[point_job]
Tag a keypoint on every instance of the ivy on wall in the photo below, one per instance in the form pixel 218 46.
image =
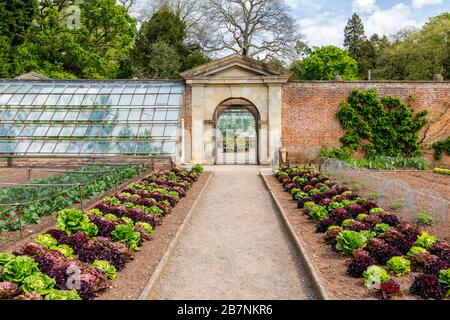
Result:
pixel 439 147
pixel 380 127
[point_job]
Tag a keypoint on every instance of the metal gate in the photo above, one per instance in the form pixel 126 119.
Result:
pixel 236 137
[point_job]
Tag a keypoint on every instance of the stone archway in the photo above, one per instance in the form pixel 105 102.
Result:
pixel 213 84
pixel 236 132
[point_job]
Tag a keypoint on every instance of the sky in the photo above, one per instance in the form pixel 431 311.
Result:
pixel 322 22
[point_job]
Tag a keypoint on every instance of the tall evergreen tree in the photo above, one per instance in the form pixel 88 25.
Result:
pixel 354 35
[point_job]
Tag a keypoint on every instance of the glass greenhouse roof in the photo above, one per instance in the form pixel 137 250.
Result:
pixel 89 118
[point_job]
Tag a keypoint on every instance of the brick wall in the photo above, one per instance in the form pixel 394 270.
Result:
pixel 186 113
pixel 309 112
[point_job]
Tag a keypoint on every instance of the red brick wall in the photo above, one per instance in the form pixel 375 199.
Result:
pixel 309 111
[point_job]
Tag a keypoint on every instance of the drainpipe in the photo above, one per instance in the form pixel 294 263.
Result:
pixel 182 142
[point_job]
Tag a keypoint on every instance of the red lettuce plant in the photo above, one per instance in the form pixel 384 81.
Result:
pixel 427 286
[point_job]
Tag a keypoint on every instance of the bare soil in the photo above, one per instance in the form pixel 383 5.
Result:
pixel 330 266
pixel 14 175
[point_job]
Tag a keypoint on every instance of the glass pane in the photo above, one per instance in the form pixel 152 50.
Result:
pixel 64 100
pixel 22 114
pixel 41 131
pixel 71 89
pixel 15 130
pixel 34 115
pixel 35 89
pixel 85 114
pixel 129 89
pixel 120 130
pixel 15 100
pixel 143 147
pixel 83 89
pixel 52 100
pixel 132 130
pixel 171 131
pixel 35 147
pixel 76 100
pixel 59 89
pixel 160 115
pixel 153 89
pixel 62 147
pixel 169 147
pixel 28 131
pixel 54 131
pixel 172 115
pixel 4 98
pixel 23 88
pixel 174 100
pixel 110 114
pixel 4 129
pixel 80 130
pixel 137 100
pixel 22 146
pixel 75 147
pixel 103 100
pixel 40 100
pixel 106 89
pixel 155 147
pixel 59 116
pixel 125 100
pixel 135 115
pixel 107 130
pixel 48 147
pixel 94 90
pixel 67 130
pixel 141 90
pixel 28 100
pixel 89 147
pixel 158 130
pixel 72 115
pixel 118 89
pixel 47 115
pixel 89 100
pixel 7 146
pixel 150 100
pixel 147 115
pixel 127 146
pixel 113 100
pixel 114 147
pixel 122 115
pixel 145 131
pixel 177 89
pixel 164 89
pixel 94 130
pixel 98 115
pixel 162 99
pixel 9 114
pixel 103 146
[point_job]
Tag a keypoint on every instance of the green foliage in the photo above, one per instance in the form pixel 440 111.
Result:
pixel 72 221
pixel 125 233
pixel 18 269
pixel 444 279
pixel 318 213
pixel 381 227
pixel 347 222
pixel 96 212
pixel 387 127
pixel 399 266
pixel 62 295
pixel 46 240
pixel 197 168
pixel 341 153
pixel 65 250
pixel 106 267
pixel 441 171
pixel 348 240
pixel 5 258
pixel 439 147
pixel 424 219
pixel 425 240
pixel 38 282
pixel 111 217
pixel 324 63
pixel 361 217
pixel 374 276
pixel 147 227
pixel 416 250
pixel 397 205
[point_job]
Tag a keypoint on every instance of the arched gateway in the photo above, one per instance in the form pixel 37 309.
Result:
pixel 235 111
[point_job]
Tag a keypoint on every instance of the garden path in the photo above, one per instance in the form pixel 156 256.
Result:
pixel 234 246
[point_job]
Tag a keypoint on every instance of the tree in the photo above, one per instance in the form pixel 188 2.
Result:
pixel 324 63
pixel 418 55
pixel 165 31
pixel 354 35
pixel 15 20
pixel 255 28
pixel 96 49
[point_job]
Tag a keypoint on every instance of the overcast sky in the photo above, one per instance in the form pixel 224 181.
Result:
pixel 323 21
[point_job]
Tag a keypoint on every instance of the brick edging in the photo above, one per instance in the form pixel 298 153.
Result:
pixel 310 269
pixel 150 287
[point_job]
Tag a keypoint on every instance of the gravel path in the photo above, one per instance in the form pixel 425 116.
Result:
pixel 234 246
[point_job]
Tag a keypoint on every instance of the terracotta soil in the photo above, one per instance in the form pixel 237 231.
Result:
pixel 131 281
pixel 330 266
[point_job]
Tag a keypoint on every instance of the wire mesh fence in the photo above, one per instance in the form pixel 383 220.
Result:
pixel 394 194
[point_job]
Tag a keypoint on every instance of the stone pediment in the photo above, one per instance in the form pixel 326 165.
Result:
pixel 236 68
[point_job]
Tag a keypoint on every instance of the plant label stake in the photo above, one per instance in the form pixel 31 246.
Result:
pixel 20 220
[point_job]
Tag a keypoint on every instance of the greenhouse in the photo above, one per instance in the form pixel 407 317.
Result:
pixel 84 118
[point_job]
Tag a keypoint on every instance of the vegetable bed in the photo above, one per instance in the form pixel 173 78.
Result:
pixel 391 257
pixel 45 196
pixel 84 253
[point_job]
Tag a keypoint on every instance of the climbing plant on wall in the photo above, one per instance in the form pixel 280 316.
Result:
pixel 384 126
pixel 440 147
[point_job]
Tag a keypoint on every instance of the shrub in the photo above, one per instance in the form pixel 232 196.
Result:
pixel 439 147
pixel 441 171
pixel 197 168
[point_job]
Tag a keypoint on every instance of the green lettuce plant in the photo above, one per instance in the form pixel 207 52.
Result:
pixel 375 276
pixel 72 221
pixel 416 250
pixel 62 295
pixel 111 217
pixel 18 269
pixel 38 282
pixel 147 226
pixel 376 210
pixel 125 233
pixel 381 228
pixel 65 250
pixel 5 258
pixel 348 240
pixel 46 240
pixel 361 217
pixel 444 279
pixel 425 240
pixel 318 213
pixel 106 267
pixel 346 222
pixel 399 266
